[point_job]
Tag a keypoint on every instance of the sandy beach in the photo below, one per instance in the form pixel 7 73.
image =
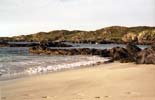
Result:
pixel 115 81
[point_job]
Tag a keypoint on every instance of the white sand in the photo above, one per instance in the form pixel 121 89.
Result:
pixel 114 81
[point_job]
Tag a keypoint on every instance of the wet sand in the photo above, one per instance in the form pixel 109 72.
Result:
pixel 113 81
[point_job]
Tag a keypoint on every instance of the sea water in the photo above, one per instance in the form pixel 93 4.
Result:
pixel 17 61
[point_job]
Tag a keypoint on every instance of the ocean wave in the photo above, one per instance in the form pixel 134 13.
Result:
pixel 43 64
pixel 58 67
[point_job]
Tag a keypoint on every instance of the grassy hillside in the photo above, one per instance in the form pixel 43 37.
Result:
pixel 114 33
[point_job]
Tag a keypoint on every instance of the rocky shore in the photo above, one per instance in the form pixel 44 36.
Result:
pixel 131 53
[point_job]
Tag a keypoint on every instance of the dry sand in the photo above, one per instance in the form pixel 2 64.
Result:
pixel 114 81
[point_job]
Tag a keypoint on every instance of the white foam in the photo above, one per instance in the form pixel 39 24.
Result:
pixel 43 64
pixel 57 67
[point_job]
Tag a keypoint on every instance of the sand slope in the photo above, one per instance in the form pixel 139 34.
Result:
pixel 104 82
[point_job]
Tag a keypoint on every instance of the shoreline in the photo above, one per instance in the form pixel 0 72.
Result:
pixel 113 81
pixel 69 66
pixel 54 72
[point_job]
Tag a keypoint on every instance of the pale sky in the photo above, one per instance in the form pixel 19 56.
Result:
pixel 31 16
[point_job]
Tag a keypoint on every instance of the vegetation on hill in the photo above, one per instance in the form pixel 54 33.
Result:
pixel 118 34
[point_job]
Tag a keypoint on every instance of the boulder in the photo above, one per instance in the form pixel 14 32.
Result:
pixel 132 49
pixel 120 54
pixel 146 56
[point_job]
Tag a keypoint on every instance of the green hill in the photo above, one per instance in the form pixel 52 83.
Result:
pixel 119 34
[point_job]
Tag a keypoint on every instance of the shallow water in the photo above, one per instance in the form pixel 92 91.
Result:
pixel 15 61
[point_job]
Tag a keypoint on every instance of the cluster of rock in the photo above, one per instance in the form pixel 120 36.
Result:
pixel 131 53
pixel 81 51
pixel 54 44
pixel 22 44
pixel 146 56
pixel 3 44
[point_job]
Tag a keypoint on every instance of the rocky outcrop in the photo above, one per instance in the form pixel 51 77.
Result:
pixel 3 44
pixel 146 56
pixel 22 44
pixel 133 49
pixel 146 37
pixel 46 50
pixel 143 37
pixel 54 44
pixel 127 54
pixel 131 53
pixel 129 37
pixel 117 53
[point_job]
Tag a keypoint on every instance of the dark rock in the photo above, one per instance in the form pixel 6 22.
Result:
pixel 146 56
pixel 46 50
pixel 129 54
pixel 132 49
pixel 121 54
pixel 22 44
pixel 54 44
pixel 3 43
pixel 118 53
pixel 96 52
pixel 124 55
pixel 105 53
pixel 39 49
